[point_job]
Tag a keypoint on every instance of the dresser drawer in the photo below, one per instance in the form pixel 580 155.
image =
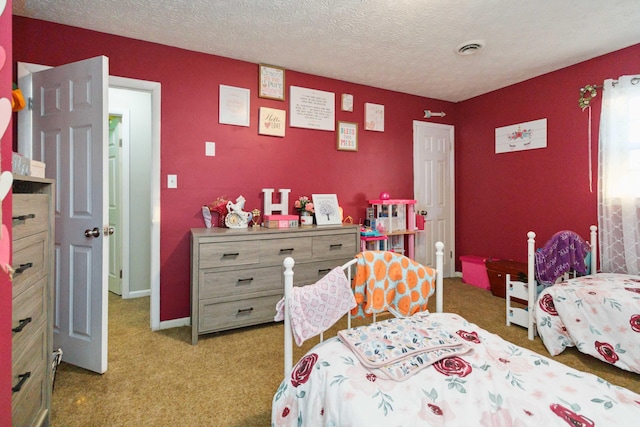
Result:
pixel 28 406
pixel 244 252
pixel 30 261
pixel 311 272
pixel 334 246
pixel 29 310
pixel 274 251
pixel 239 282
pixel 217 316
pixel 30 213
pixel 33 356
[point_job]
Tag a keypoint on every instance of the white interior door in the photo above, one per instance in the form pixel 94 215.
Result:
pixel 115 243
pixel 70 135
pixel 433 184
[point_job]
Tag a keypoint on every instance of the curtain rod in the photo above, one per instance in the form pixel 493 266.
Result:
pixel 588 92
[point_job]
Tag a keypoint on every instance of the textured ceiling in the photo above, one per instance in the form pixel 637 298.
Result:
pixel 401 45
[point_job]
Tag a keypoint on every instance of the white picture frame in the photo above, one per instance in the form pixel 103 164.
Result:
pixel 522 136
pixel 374 117
pixel 326 209
pixel 312 109
pixel 234 105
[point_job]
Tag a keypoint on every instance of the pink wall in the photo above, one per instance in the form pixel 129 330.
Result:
pixel 6 141
pixel 500 197
pixel 306 161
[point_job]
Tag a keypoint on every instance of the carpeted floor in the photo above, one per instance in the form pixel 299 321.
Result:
pixel 228 379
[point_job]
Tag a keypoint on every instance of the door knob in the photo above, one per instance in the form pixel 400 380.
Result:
pixel 92 233
pixel 108 231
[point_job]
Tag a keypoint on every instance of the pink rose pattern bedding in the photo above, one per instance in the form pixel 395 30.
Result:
pixel 496 384
pixel 598 314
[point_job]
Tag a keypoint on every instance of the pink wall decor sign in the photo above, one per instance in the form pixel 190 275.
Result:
pixel 523 136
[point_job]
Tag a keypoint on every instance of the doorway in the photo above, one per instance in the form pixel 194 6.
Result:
pixel 433 186
pixel 149 273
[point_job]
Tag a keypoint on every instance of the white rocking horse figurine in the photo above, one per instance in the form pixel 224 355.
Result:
pixel 237 218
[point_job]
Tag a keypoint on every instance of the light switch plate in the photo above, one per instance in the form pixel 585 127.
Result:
pixel 172 181
pixel 210 149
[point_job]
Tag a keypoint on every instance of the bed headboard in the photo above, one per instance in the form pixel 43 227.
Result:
pixel 288 286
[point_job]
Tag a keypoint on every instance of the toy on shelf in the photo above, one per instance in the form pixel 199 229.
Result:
pixel 395 218
pixel 373 236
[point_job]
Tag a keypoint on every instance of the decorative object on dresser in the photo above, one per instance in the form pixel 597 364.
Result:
pixel 304 206
pixel 270 207
pixel 236 275
pixel 326 209
pixel 236 216
pixel 32 284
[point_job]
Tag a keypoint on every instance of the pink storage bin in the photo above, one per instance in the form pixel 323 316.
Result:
pixel 474 271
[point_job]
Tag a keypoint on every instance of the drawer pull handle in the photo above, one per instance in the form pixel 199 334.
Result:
pixel 286 251
pixel 335 246
pixel 23 379
pixel 324 271
pixel 245 281
pixel 245 310
pixel 229 255
pixel 22 268
pixel 22 324
pixel 23 217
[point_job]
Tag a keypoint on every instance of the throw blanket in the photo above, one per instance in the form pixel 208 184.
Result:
pixel 315 308
pixel 387 281
pixel 565 251
pixel 398 348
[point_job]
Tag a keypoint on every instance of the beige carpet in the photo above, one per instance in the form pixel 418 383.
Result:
pixel 228 379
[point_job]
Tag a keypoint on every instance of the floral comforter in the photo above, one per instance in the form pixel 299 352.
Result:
pixel 598 314
pixel 496 384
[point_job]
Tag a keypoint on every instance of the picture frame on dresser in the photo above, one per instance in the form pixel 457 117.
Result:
pixel 326 209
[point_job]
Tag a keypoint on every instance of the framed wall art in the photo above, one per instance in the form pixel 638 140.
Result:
pixel 271 82
pixel 327 209
pixel 272 121
pixel 347 136
pixel 374 117
pixel 234 106
pixel 522 136
pixel 346 102
pixel 312 109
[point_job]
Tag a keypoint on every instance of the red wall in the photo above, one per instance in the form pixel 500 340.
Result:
pixel 500 197
pixel 6 142
pixel 306 161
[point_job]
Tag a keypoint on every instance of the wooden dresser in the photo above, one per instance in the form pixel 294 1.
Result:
pixel 236 274
pixel 32 285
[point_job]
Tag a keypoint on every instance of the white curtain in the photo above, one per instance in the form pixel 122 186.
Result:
pixel 619 176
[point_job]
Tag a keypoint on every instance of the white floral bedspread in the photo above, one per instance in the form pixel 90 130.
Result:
pixel 598 314
pixel 496 384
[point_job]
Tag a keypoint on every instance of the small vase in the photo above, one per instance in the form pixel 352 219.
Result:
pixel 306 218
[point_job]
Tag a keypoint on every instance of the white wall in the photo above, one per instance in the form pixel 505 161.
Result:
pixel 139 105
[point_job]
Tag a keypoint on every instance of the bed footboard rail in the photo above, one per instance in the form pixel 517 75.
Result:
pixel 288 290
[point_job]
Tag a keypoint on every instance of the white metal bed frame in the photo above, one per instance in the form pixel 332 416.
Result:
pixel 288 286
pixel 528 291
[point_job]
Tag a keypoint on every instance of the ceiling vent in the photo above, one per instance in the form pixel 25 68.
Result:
pixel 470 47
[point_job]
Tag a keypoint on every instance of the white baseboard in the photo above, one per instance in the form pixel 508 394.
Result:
pixel 458 274
pixel 175 323
pixel 138 294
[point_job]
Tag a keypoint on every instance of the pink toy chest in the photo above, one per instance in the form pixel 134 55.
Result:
pixel 474 271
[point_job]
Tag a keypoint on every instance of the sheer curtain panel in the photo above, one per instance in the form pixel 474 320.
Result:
pixel 619 176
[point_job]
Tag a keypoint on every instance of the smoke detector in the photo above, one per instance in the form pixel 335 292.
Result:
pixel 470 47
